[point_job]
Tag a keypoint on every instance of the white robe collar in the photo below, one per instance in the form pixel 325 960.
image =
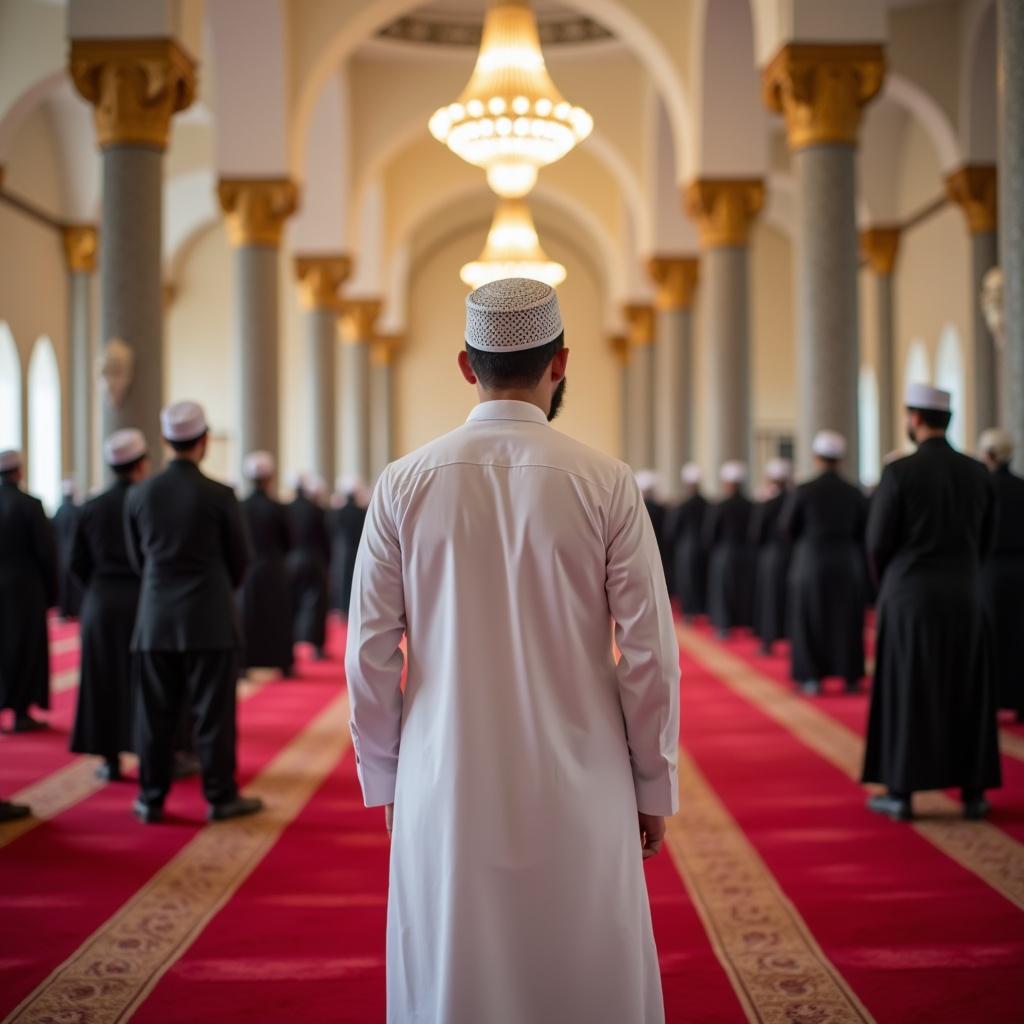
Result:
pixel 504 409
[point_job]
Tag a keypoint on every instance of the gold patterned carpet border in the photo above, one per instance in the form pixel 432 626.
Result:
pixel 777 969
pixel 116 968
pixel 980 847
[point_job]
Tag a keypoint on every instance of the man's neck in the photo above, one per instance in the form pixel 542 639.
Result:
pixel 530 396
pixel 923 434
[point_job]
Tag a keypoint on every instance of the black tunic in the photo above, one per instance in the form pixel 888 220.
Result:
pixel 100 563
pixel 28 587
pixel 730 563
pixel 772 569
pixel 345 527
pixel 307 569
pixel 264 599
pixel 825 520
pixel 689 558
pixel 1002 587
pixel 69 591
pixel 657 511
pixel 933 707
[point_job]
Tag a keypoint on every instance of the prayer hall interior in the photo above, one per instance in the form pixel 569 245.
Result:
pixel 769 222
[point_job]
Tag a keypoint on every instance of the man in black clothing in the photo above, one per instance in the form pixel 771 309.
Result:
pixel 730 557
pixel 685 531
pixel 264 600
pixel 772 551
pixel 69 591
pixel 933 707
pixel 650 487
pixel 28 587
pixel 1002 574
pixel 307 566
pixel 824 519
pixel 100 563
pixel 187 540
pixel 345 528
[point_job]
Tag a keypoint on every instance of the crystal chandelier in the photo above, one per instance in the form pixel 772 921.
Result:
pixel 512 250
pixel 510 119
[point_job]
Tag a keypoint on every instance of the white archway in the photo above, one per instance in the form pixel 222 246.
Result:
pixel 922 106
pixel 44 424
pixel 949 375
pixel 867 407
pixel 10 390
pixel 917 368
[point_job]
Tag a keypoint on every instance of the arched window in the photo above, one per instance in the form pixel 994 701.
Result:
pixel 867 408
pixel 10 390
pixel 44 461
pixel 917 370
pixel 949 375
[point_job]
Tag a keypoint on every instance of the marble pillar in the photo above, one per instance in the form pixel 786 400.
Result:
pixel 320 277
pixel 880 247
pixel 973 188
pixel 80 249
pixel 135 87
pixel 640 375
pixel 358 330
pixel 724 209
pixel 822 89
pixel 383 351
pixel 255 210
pixel 619 346
pixel 675 278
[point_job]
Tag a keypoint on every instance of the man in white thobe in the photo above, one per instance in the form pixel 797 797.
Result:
pixel 525 773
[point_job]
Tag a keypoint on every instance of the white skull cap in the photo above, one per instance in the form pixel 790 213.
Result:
pixel 10 459
pixel 733 472
pixel 924 396
pixel 997 441
pixel 511 315
pixel 348 483
pixel 67 487
pixel 258 466
pixel 690 473
pixel 829 444
pixel 778 470
pixel 183 421
pixel 124 447
pixel 314 485
pixel 647 480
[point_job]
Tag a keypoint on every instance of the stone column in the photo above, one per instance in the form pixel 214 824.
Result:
pixel 676 280
pixel 973 189
pixel 619 345
pixel 821 90
pixel 319 279
pixel 80 244
pixel 640 328
pixel 255 210
pixel 880 246
pixel 135 86
pixel 724 209
pixel 383 350
pixel 358 320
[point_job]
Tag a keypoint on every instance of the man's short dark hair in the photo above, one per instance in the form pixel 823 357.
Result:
pixel 522 369
pixel 186 446
pixel 8 476
pixel 126 470
pixel 936 419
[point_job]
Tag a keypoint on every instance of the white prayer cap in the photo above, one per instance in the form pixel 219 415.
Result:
pixel 778 470
pixel 258 466
pixel 348 483
pixel 67 487
pixel 733 472
pixel 512 314
pixel 998 443
pixel 924 396
pixel 183 421
pixel 690 473
pixel 124 447
pixel 10 459
pixel 647 480
pixel 315 486
pixel 829 444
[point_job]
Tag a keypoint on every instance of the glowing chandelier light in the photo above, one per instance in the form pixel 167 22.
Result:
pixel 510 119
pixel 512 250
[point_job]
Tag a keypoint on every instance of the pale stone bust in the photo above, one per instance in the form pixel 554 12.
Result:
pixel 116 368
pixel 992 303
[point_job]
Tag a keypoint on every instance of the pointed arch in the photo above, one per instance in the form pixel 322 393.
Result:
pixel 949 375
pixel 44 424
pixel 870 444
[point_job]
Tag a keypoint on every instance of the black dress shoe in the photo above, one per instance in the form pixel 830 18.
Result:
pixel 810 688
pixel 109 771
pixel 26 723
pixel 896 807
pixel 237 808
pixel 976 809
pixel 148 814
pixel 13 812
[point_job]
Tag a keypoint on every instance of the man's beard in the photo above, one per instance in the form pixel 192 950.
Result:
pixel 557 399
pixel 910 435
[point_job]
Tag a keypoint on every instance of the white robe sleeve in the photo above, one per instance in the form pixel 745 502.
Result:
pixel 373 658
pixel 648 669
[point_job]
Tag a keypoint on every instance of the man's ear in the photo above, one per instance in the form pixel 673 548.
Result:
pixel 558 364
pixel 465 369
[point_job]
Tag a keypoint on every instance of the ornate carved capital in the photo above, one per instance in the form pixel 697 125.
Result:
pixel 256 208
pixel 358 318
pixel 134 85
pixel 81 244
pixel 319 279
pixel 676 280
pixel 639 323
pixel 724 209
pixel 384 348
pixel 619 344
pixel 974 189
pixel 880 246
pixel 821 89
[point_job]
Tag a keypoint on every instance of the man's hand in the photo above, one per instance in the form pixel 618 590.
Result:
pixel 389 817
pixel 652 834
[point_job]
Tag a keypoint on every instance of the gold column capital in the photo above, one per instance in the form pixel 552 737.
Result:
pixel 724 209
pixel 81 246
pixel 880 246
pixel 822 88
pixel 358 320
pixel 974 188
pixel 384 348
pixel 320 277
pixel 676 280
pixel 256 208
pixel 134 85
pixel 639 323
pixel 619 345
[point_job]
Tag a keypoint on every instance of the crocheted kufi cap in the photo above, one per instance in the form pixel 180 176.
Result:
pixel 123 447
pixel 512 314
